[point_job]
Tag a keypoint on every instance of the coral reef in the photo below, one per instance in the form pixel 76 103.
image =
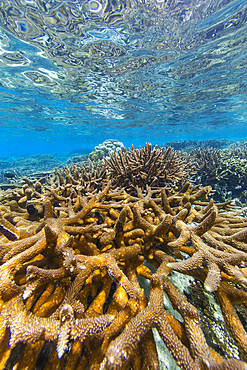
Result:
pixel 31 190
pixel 104 149
pixel 188 145
pixel 148 166
pixel 4 164
pixel 209 161
pixel 77 159
pixel 12 173
pixel 70 275
pixel 239 149
pixel 225 170
pixel 34 163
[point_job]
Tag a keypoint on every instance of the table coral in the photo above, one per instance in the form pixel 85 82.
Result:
pixel 70 275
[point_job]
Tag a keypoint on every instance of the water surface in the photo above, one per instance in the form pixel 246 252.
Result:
pixel 74 73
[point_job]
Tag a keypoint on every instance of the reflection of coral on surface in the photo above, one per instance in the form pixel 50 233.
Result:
pixel 70 275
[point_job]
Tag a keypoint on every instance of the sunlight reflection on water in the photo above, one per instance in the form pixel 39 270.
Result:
pixel 170 68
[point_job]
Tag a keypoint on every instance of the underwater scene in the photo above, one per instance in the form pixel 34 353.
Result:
pixel 123 184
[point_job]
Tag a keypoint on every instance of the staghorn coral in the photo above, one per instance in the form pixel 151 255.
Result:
pixel 225 170
pixel 209 164
pixel 148 166
pixel 28 198
pixel 239 149
pixel 70 276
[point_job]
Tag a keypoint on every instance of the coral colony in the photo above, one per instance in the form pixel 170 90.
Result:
pixel 77 247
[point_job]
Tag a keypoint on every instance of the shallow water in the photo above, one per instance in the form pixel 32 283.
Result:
pixel 75 73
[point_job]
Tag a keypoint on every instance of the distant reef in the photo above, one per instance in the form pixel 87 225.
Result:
pixel 193 144
pixel 37 162
pixel 27 165
pixel 221 164
pixel 224 169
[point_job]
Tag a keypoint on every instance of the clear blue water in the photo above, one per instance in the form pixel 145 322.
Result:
pixel 75 73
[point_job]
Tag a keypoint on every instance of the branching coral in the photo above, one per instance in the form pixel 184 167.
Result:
pixel 148 166
pixel 225 170
pixel 209 164
pixel 70 275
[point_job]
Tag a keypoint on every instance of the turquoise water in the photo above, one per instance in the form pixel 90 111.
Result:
pixel 75 73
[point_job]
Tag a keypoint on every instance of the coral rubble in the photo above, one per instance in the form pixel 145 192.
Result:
pixel 73 253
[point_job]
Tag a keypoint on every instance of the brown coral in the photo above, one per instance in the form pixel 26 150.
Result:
pixel 71 276
pixel 148 166
pixel 209 164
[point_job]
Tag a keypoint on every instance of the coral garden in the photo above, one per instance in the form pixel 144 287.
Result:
pixel 91 264
pixel 225 170
pixel 148 166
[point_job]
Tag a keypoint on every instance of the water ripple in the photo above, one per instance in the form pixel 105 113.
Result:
pixel 146 62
